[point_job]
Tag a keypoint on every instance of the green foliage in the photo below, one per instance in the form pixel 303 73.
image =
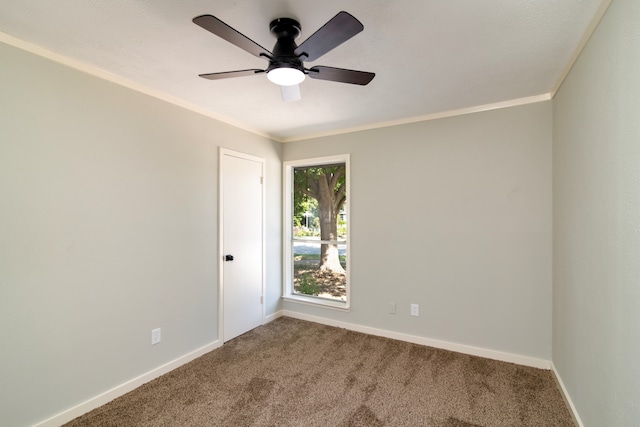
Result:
pixel 307 285
pixel 305 197
pixel 302 204
pixel 342 227
pixel 306 232
pixel 304 177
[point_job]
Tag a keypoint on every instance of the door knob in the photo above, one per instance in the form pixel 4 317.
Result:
pixel 228 257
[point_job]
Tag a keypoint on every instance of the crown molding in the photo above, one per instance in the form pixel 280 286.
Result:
pixel 427 117
pixel 113 78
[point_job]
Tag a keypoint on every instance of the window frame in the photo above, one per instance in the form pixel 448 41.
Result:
pixel 288 293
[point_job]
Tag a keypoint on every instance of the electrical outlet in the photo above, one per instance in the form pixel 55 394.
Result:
pixel 156 336
pixel 415 310
pixel 392 308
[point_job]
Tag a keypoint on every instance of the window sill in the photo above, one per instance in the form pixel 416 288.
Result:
pixel 318 302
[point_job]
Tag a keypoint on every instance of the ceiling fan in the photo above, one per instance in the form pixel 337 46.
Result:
pixel 286 63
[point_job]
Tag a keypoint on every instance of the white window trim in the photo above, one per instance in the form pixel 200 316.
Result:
pixel 287 289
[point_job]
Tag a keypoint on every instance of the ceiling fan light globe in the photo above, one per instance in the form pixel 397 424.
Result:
pixel 286 76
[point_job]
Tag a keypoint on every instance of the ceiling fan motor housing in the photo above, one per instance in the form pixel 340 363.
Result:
pixel 286 30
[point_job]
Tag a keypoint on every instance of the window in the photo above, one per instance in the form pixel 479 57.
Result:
pixel 316 254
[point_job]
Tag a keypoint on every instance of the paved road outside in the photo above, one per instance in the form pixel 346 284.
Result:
pixel 300 248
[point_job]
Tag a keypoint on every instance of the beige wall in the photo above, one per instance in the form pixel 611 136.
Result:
pixel 454 215
pixel 108 228
pixel 596 180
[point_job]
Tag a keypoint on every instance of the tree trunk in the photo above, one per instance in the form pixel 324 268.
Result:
pixel 328 210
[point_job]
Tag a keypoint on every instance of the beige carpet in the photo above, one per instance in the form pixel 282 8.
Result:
pixel 296 373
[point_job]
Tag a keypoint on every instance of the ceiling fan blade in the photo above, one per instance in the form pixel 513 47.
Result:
pixel 222 30
pixel 229 74
pixel 341 75
pixel 338 30
pixel 290 93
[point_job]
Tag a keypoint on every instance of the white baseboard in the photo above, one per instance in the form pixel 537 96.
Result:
pixel 566 397
pixel 270 318
pixel 109 395
pixel 445 345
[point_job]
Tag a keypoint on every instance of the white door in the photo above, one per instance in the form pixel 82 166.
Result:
pixel 242 243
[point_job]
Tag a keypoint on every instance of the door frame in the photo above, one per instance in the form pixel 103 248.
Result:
pixel 222 152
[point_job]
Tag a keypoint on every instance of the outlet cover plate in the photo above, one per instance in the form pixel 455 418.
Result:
pixel 415 310
pixel 156 336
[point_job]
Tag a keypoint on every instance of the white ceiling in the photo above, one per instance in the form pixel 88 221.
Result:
pixel 430 56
